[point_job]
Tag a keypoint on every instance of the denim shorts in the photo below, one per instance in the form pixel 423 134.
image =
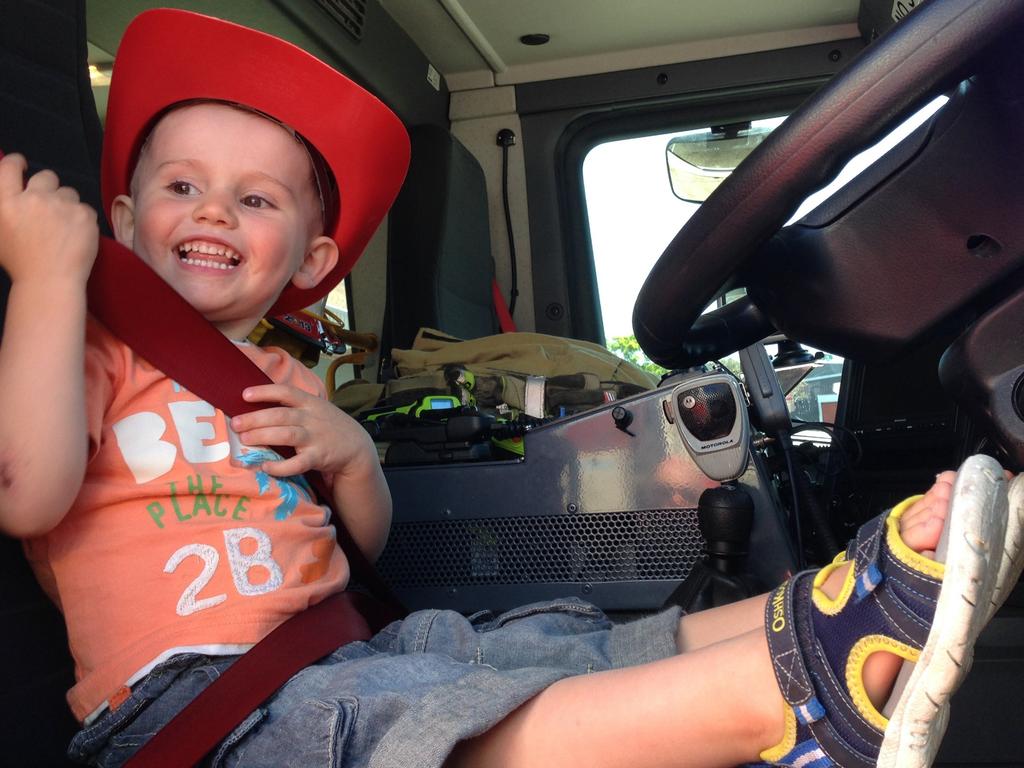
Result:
pixel 403 698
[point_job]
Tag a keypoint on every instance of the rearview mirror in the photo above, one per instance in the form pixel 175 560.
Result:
pixel 698 161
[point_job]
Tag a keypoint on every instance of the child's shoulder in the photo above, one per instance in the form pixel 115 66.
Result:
pixel 100 342
pixel 98 335
pixel 105 354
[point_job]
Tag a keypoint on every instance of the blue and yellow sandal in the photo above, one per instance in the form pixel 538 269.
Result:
pixel 928 612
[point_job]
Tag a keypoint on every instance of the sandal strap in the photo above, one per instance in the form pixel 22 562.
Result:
pixel 784 644
pixel 910 597
pixel 816 721
pixel 865 552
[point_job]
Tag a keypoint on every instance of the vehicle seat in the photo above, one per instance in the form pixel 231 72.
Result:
pixel 440 267
pixel 47 113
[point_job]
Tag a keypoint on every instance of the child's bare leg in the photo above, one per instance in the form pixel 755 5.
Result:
pixel 715 704
pixel 704 628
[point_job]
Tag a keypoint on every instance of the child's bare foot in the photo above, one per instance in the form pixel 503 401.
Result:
pixel 921 525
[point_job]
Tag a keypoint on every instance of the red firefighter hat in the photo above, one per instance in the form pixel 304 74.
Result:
pixel 169 56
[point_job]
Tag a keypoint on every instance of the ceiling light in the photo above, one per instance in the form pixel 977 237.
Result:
pixel 537 38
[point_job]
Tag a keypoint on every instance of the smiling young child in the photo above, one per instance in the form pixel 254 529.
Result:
pixel 249 177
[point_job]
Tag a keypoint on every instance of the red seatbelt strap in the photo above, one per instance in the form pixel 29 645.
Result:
pixel 505 321
pixel 143 311
pixel 226 702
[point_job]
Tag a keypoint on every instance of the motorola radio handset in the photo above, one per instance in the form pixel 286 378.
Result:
pixel 709 412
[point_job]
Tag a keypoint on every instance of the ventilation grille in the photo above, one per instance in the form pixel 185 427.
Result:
pixel 619 546
pixel 349 13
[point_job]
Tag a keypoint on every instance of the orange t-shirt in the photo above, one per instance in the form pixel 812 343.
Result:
pixel 176 542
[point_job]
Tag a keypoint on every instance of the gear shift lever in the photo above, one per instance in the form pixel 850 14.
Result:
pixel 726 517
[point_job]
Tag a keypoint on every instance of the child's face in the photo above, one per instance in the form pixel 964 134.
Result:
pixel 224 208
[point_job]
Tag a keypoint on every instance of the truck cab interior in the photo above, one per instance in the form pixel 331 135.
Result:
pixel 804 212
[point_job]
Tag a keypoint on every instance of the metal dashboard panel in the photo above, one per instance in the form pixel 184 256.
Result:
pixel 591 511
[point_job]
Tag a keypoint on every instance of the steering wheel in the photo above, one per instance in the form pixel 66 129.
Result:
pixel 920 57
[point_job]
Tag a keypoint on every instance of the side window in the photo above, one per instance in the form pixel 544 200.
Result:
pixel 337 302
pixel 335 307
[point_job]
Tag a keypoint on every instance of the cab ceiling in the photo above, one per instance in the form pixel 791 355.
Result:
pixel 475 43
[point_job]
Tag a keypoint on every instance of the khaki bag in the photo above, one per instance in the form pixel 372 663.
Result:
pixel 509 373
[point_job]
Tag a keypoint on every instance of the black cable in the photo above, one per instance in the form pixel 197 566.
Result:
pixel 787 451
pixel 825 541
pixel 506 139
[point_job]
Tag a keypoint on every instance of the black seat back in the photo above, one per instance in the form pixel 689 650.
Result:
pixel 47 113
pixel 440 267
